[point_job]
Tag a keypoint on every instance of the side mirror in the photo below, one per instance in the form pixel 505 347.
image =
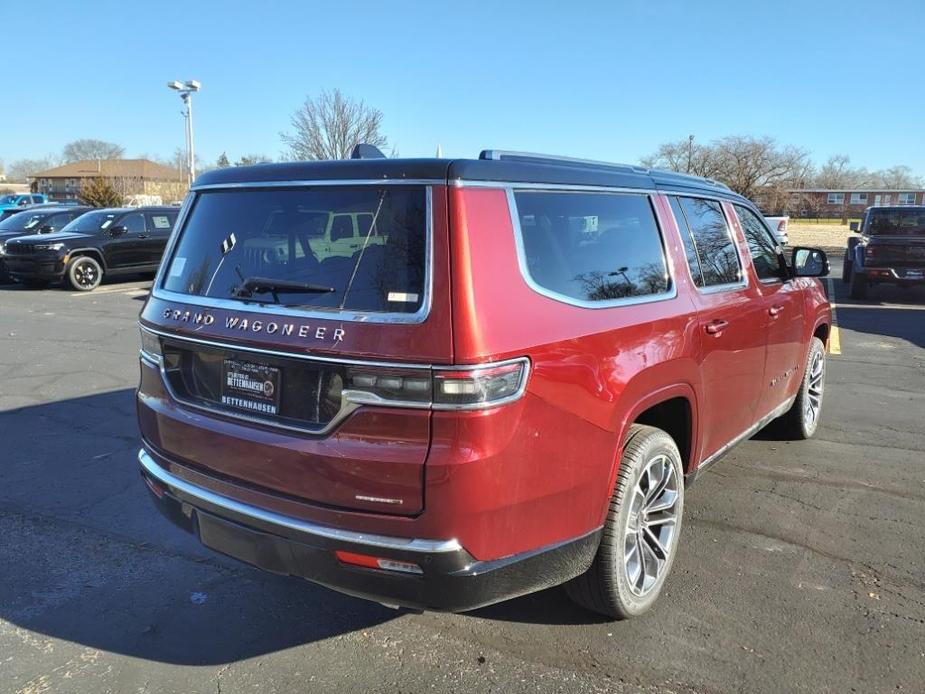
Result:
pixel 809 262
pixel 118 231
pixel 855 227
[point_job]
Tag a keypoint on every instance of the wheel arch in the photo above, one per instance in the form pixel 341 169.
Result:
pixel 91 252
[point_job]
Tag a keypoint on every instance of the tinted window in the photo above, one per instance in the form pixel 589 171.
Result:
pixel 764 249
pixel 896 222
pixel 134 223
pixel 592 246
pixel 719 261
pixel 24 221
pixel 91 222
pixel 280 234
pixel 693 260
pixel 58 221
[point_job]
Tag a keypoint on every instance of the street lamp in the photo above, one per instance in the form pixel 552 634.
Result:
pixel 186 90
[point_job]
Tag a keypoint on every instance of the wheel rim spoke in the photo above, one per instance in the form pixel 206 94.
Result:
pixel 651 524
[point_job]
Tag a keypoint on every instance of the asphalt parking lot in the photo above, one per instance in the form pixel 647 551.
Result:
pixel 801 568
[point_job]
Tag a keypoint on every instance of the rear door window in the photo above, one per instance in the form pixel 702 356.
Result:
pixel 134 223
pixel 712 238
pixel 159 223
pixel 233 236
pixel 590 248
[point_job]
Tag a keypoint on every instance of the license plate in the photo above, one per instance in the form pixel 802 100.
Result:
pixel 915 274
pixel 250 387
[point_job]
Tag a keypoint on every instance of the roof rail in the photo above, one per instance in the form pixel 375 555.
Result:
pixel 499 155
pixel 667 173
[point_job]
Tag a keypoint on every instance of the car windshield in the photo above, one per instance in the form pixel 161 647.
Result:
pixel 91 222
pixel 364 245
pixel 897 222
pixel 24 221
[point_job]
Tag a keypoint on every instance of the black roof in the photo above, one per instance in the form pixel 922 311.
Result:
pixel 513 167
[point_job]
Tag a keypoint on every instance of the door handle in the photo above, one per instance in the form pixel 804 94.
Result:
pixel 775 311
pixel 715 327
pixel 142 236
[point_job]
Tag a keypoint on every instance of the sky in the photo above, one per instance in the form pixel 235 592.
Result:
pixel 601 80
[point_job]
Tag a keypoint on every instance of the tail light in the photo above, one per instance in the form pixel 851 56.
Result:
pixel 151 345
pixel 870 251
pixel 782 225
pixel 440 388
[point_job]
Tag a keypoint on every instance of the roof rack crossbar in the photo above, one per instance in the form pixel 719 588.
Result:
pixel 500 154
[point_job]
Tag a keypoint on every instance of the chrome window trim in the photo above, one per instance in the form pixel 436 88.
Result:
pixel 314 183
pixel 419 316
pixel 174 484
pixel 581 303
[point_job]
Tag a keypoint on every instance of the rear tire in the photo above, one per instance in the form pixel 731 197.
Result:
pixel 641 534
pixel 846 271
pixel 802 419
pixel 84 273
pixel 858 285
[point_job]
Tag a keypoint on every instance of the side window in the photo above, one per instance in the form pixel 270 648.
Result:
pixel 719 260
pixel 37 199
pixel 58 221
pixel 135 223
pixel 763 248
pixel 342 227
pixel 693 260
pixel 592 246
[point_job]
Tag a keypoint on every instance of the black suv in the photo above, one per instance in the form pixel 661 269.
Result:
pixel 34 220
pixel 891 249
pixel 107 241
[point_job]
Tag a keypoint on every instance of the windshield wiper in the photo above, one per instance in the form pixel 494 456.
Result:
pixel 263 285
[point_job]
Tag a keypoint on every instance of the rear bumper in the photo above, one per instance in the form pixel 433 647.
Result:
pixel 450 579
pixel 906 275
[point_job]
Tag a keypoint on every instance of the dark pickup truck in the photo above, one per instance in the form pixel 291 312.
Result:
pixel 890 249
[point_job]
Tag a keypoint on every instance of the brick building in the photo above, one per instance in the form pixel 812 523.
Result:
pixel 128 176
pixel 848 202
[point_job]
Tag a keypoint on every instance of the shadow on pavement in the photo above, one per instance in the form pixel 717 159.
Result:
pixel 88 559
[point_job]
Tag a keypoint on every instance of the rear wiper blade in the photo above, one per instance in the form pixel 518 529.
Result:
pixel 263 285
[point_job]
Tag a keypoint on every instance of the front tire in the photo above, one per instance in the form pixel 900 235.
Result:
pixel 640 536
pixel 84 273
pixel 802 419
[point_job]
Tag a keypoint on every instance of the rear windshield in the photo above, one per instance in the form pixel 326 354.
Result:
pixel 897 222
pixel 357 249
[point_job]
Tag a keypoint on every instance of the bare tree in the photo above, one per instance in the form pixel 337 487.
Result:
pixel 248 159
pixel 23 169
pixel 88 148
pixel 898 177
pixel 685 156
pixel 330 125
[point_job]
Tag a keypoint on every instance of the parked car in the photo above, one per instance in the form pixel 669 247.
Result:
pixel 101 242
pixel 779 228
pixel 38 219
pixel 890 249
pixel 16 200
pixel 512 391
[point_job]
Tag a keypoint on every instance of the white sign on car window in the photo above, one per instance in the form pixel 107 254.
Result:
pixel 161 221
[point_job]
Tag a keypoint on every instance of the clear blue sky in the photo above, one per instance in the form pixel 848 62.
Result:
pixel 607 80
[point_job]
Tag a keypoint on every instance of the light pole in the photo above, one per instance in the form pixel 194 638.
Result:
pixel 186 90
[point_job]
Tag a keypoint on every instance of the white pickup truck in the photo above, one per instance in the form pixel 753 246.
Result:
pixel 779 227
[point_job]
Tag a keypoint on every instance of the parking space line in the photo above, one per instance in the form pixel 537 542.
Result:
pixel 834 335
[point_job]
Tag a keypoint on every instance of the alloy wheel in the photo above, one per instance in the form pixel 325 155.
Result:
pixel 85 274
pixel 814 387
pixel 652 523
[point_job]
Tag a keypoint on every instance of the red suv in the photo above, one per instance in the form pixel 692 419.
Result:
pixel 441 384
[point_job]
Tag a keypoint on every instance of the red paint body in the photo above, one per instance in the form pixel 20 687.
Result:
pixel 519 476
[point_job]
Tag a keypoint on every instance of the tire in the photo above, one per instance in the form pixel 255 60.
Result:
pixel 802 419
pixel 616 584
pixel 846 270
pixel 84 273
pixel 857 287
